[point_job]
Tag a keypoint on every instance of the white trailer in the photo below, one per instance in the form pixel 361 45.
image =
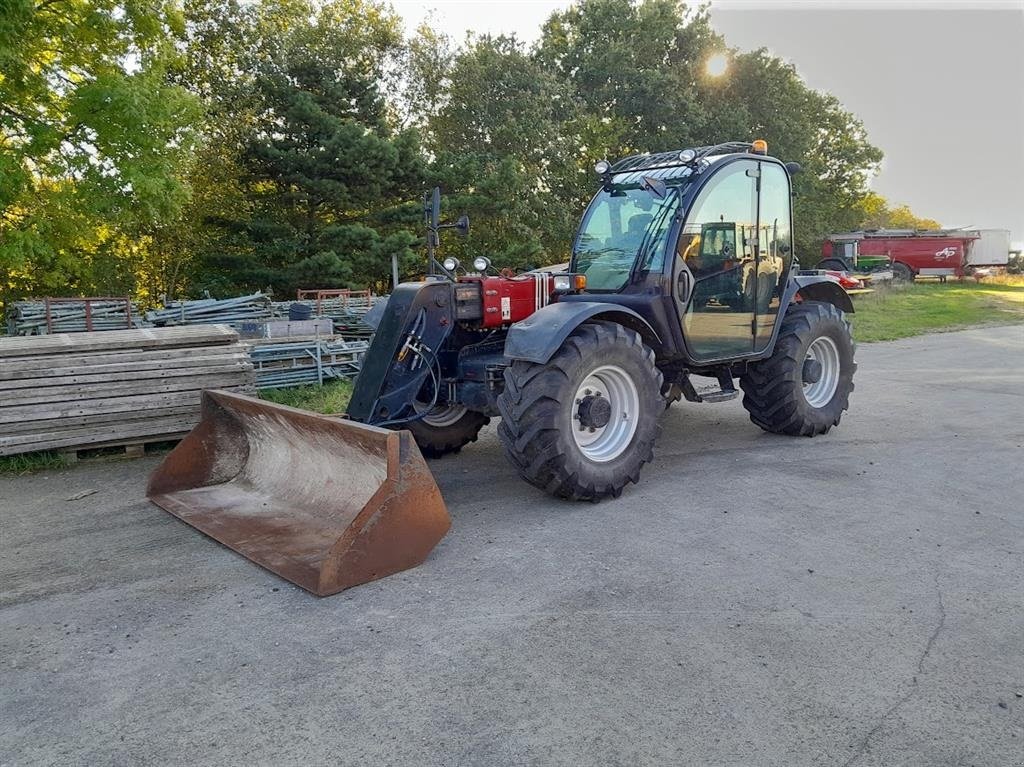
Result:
pixel 992 248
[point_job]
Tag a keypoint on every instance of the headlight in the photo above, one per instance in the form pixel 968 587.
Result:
pixel 567 283
pixel 451 264
pixel 481 263
pixel 602 167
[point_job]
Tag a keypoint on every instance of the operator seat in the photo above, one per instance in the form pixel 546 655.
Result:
pixel 636 229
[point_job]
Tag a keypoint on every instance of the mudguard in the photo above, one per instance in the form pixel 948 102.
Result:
pixel 539 336
pixel 815 287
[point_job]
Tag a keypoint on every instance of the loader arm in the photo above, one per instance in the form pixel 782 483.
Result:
pixel 403 354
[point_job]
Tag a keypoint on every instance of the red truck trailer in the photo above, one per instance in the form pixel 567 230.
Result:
pixel 912 253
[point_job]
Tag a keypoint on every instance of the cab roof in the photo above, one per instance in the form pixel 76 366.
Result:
pixel 676 164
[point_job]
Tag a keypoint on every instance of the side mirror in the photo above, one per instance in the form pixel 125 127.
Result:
pixel 655 186
pixel 793 168
pixel 462 225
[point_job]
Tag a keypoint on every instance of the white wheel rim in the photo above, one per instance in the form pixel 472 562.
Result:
pixel 608 442
pixel 440 415
pixel 824 351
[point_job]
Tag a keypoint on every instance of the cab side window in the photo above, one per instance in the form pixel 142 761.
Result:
pixel 708 243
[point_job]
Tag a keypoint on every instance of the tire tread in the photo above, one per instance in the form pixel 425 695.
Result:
pixel 529 415
pixel 772 388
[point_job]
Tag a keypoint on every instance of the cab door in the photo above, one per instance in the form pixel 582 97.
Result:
pixel 774 252
pixel 717 253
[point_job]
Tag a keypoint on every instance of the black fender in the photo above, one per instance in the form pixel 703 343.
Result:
pixel 539 336
pixel 814 287
pixel 841 261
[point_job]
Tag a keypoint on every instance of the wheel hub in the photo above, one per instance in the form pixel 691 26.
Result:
pixel 439 416
pixel 812 371
pixel 594 411
pixel 605 414
pixel 821 371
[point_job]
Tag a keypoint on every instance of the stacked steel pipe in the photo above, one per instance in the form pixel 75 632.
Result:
pixel 210 311
pixel 71 315
pixel 62 315
pixel 291 362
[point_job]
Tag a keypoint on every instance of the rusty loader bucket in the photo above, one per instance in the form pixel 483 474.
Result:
pixel 324 502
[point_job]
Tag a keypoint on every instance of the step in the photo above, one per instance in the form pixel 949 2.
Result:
pixel 717 395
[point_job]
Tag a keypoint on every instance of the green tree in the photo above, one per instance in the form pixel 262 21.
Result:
pixel 636 68
pixel 507 151
pixel 426 66
pixel 320 126
pixel 639 68
pixel 318 179
pixel 91 140
pixel 876 214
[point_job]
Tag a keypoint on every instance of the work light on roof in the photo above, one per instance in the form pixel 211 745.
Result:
pixel 451 264
pixel 602 167
pixel 481 263
pixel 687 155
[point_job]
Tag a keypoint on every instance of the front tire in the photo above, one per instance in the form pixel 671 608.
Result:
pixel 446 430
pixel 804 387
pixel 582 425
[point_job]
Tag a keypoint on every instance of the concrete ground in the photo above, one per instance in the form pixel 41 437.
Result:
pixel 855 599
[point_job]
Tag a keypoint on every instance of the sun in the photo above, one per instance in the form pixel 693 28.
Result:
pixel 717 65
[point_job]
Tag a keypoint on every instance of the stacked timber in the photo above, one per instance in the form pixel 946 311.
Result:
pixel 116 387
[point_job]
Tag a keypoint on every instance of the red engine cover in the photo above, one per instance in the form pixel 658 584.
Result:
pixel 511 299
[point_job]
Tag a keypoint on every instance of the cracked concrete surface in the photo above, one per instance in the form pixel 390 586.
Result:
pixel 855 599
pixel 865 744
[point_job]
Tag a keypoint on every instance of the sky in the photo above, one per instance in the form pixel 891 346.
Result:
pixel 939 85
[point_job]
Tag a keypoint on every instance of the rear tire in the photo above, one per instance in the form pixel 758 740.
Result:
pixel 902 272
pixel 551 428
pixel 447 431
pixel 814 343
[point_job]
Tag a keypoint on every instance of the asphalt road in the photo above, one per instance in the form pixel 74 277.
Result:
pixel 855 599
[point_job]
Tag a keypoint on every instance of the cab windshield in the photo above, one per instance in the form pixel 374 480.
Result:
pixel 619 225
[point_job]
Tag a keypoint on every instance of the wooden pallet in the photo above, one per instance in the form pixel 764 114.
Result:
pixel 135 448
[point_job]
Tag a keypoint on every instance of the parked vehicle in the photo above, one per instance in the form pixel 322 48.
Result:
pixel 1015 264
pixel 991 249
pixel 917 253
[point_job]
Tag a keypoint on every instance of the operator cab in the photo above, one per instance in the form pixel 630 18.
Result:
pixel 710 229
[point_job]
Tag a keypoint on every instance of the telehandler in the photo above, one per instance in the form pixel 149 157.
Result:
pixel 682 271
